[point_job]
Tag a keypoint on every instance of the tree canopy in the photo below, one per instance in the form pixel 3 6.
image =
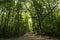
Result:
pixel 21 16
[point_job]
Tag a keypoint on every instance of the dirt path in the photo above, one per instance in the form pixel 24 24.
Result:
pixel 30 36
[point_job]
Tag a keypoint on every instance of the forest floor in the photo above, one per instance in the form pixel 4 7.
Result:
pixel 30 36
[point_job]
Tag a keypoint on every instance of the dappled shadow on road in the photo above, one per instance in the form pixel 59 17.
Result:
pixel 30 36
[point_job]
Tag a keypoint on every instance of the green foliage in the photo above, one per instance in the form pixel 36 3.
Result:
pixel 20 16
pixel 11 20
pixel 14 27
pixel 45 17
pixel 49 26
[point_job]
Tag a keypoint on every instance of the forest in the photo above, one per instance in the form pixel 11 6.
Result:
pixel 40 17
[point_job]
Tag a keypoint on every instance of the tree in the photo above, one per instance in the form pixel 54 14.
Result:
pixel 11 18
pixel 43 9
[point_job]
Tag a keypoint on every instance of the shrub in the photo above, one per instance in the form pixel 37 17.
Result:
pixel 50 26
pixel 12 28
